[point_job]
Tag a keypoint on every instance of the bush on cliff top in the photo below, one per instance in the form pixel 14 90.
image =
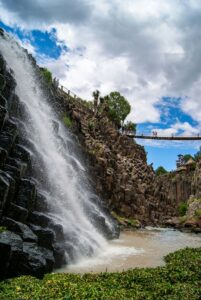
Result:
pixel 160 171
pixel 179 279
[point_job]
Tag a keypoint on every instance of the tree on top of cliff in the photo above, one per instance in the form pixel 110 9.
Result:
pixel 118 107
pixel 160 171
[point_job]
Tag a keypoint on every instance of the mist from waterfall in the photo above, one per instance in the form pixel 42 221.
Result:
pixel 60 174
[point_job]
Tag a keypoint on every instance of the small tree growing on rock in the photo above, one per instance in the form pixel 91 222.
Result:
pixel 118 108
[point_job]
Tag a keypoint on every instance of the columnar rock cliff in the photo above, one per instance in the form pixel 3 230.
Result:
pixel 121 174
pixel 30 242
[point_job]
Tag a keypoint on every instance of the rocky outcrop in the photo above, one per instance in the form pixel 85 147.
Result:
pixel 28 238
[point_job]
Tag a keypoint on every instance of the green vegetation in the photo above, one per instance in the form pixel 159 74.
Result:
pixel 118 107
pixel 186 157
pixel 179 279
pixel 67 121
pixel 160 171
pixel 198 213
pixel 126 222
pixel 130 126
pixel 182 208
pixel 91 125
pixel 46 74
pixel 2 229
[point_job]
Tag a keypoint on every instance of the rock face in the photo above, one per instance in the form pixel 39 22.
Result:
pixel 28 239
pixel 120 172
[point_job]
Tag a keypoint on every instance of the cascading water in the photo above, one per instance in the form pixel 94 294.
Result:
pixel 61 176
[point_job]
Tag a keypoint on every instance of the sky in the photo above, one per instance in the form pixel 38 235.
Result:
pixel 148 50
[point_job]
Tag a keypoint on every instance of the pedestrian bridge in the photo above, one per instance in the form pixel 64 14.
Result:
pixel 169 138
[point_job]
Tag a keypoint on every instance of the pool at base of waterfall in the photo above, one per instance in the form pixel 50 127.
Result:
pixel 142 248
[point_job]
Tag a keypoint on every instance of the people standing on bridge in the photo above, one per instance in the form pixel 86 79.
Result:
pixel 154 133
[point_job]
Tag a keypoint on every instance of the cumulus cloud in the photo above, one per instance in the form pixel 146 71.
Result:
pixel 146 49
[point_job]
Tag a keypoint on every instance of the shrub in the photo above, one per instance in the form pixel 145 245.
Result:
pixel 67 121
pixel 160 171
pixel 47 75
pixel 182 208
pixel 91 125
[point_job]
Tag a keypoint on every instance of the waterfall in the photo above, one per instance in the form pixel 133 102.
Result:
pixel 60 174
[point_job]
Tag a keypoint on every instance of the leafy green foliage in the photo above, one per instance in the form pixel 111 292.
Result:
pixel 118 107
pixel 88 104
pixel 179 279
pixel 160 171
pixel 46 74
pixel 182 208
pixel 186 157
pixel 67 121
pixel 130 126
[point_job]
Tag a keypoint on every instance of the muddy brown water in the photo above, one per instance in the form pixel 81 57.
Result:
pixel 142 248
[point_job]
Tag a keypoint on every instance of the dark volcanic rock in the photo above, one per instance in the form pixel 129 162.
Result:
pixel 27 194
pixel 21 229
pixel 45 236
pixel 17 212
pixel 3 156
pixel 9 244
pixel 38 218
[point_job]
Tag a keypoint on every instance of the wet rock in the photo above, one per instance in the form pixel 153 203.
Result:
pixel 3 116
pixel 27 194
pixel 21 229
pixel 38 260
pixel 17 212
pixel 3 102
pixel 20 152
pixel 13 172
pixel 19 164
pixel 59 255
pixel 9 243
pixel 7 140
pixel 45 236
pixel 41 204
pixel 40 219
pixel 7 189
pixel 3 156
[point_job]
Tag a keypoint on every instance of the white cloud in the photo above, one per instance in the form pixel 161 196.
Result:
pixel 145 49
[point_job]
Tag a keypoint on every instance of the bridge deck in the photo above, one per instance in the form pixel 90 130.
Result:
pixel 169 138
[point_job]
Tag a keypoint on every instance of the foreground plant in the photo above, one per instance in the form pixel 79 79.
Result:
pixel 179 279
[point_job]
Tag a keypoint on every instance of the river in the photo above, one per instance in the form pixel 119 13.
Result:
pixel 142 248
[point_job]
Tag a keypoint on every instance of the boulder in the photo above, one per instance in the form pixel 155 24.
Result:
pixel 40 260
pixel 9 243
pixel 45 236
pixel 7 140
pixel 59 255
pixel 21 229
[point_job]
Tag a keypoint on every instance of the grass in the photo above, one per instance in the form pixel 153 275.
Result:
pixel 180 279
pixel 67 121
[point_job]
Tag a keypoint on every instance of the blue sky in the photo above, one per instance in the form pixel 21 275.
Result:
pixel 141 48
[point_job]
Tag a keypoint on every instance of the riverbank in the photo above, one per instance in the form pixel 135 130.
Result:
pixel 143 248
pixel 180 278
